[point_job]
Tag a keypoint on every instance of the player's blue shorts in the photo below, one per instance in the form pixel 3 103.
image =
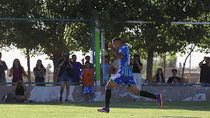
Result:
pixel 88 90
pixel 124 76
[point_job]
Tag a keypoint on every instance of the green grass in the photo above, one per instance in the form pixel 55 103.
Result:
pixel 118 110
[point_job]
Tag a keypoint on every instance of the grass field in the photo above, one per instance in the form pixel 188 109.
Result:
pixel 118 110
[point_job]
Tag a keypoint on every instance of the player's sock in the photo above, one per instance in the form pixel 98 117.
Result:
pixel 108 97
pixel 147 94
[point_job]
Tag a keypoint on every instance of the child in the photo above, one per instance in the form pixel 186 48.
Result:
pixel 88 82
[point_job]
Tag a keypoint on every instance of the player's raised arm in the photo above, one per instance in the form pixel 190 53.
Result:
pixel 115 52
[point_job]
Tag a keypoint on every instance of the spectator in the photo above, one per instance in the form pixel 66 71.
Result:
pixel 205 70
pixel 3 68
pixel 106 70
pixel 159 77
pixel 77 71
pixel 65 75
pixel 137 67
pixel 88 81
pixel 20 92
pixel 39 73
pixel 17 71
pixel 174 79
pixel 87 60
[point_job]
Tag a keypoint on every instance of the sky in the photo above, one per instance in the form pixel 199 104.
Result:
pixel 9 55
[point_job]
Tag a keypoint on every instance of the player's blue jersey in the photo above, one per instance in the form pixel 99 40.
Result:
pixel 124 63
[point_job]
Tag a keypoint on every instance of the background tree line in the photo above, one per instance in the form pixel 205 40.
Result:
pixel 150 40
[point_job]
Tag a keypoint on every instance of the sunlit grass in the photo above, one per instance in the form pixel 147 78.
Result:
pixel 118 110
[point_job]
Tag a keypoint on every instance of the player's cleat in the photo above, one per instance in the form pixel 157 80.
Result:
pixel 104 109
pixel 160 100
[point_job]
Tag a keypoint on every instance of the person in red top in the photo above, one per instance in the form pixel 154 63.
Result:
pixel 88 81
pixel 17 72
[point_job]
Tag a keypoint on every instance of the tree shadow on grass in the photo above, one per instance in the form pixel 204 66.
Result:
pixel 193 106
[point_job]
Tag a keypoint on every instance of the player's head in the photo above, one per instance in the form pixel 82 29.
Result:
pixel 117 42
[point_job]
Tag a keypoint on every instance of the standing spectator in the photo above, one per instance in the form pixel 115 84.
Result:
pixel 39 73
pixel 17 71
pixel 137 67
pixel 159 76
pixel 3 68
pixel 106 70
pixel 88 81
pixel 174 79
pixel 77 71
pixel 65 75
pixel 205 70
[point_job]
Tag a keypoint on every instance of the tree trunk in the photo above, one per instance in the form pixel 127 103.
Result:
pixel 150 56
pixel 28 63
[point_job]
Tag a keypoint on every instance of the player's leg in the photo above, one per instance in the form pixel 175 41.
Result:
pixel 67 83
pixel 110 85
pixel 133 89
pixel 62 87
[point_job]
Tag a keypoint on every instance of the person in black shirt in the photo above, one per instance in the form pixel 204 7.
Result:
pixel 174 79
pixel 65 75
pixel 205 70
pixel 137 67
pixel 39 73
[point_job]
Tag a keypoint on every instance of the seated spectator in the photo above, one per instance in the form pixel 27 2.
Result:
pixel 20 92
pixel 88 82
pixel 205 70
pixel 159 76
pixel 76 71
pixel 39 73
pixel 174 79
pixel 17 72
pixel 3 68
pixel 106 70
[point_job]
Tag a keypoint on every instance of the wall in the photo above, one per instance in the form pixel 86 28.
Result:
pixel 170 93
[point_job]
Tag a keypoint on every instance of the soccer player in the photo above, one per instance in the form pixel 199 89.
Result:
pixel 124 75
